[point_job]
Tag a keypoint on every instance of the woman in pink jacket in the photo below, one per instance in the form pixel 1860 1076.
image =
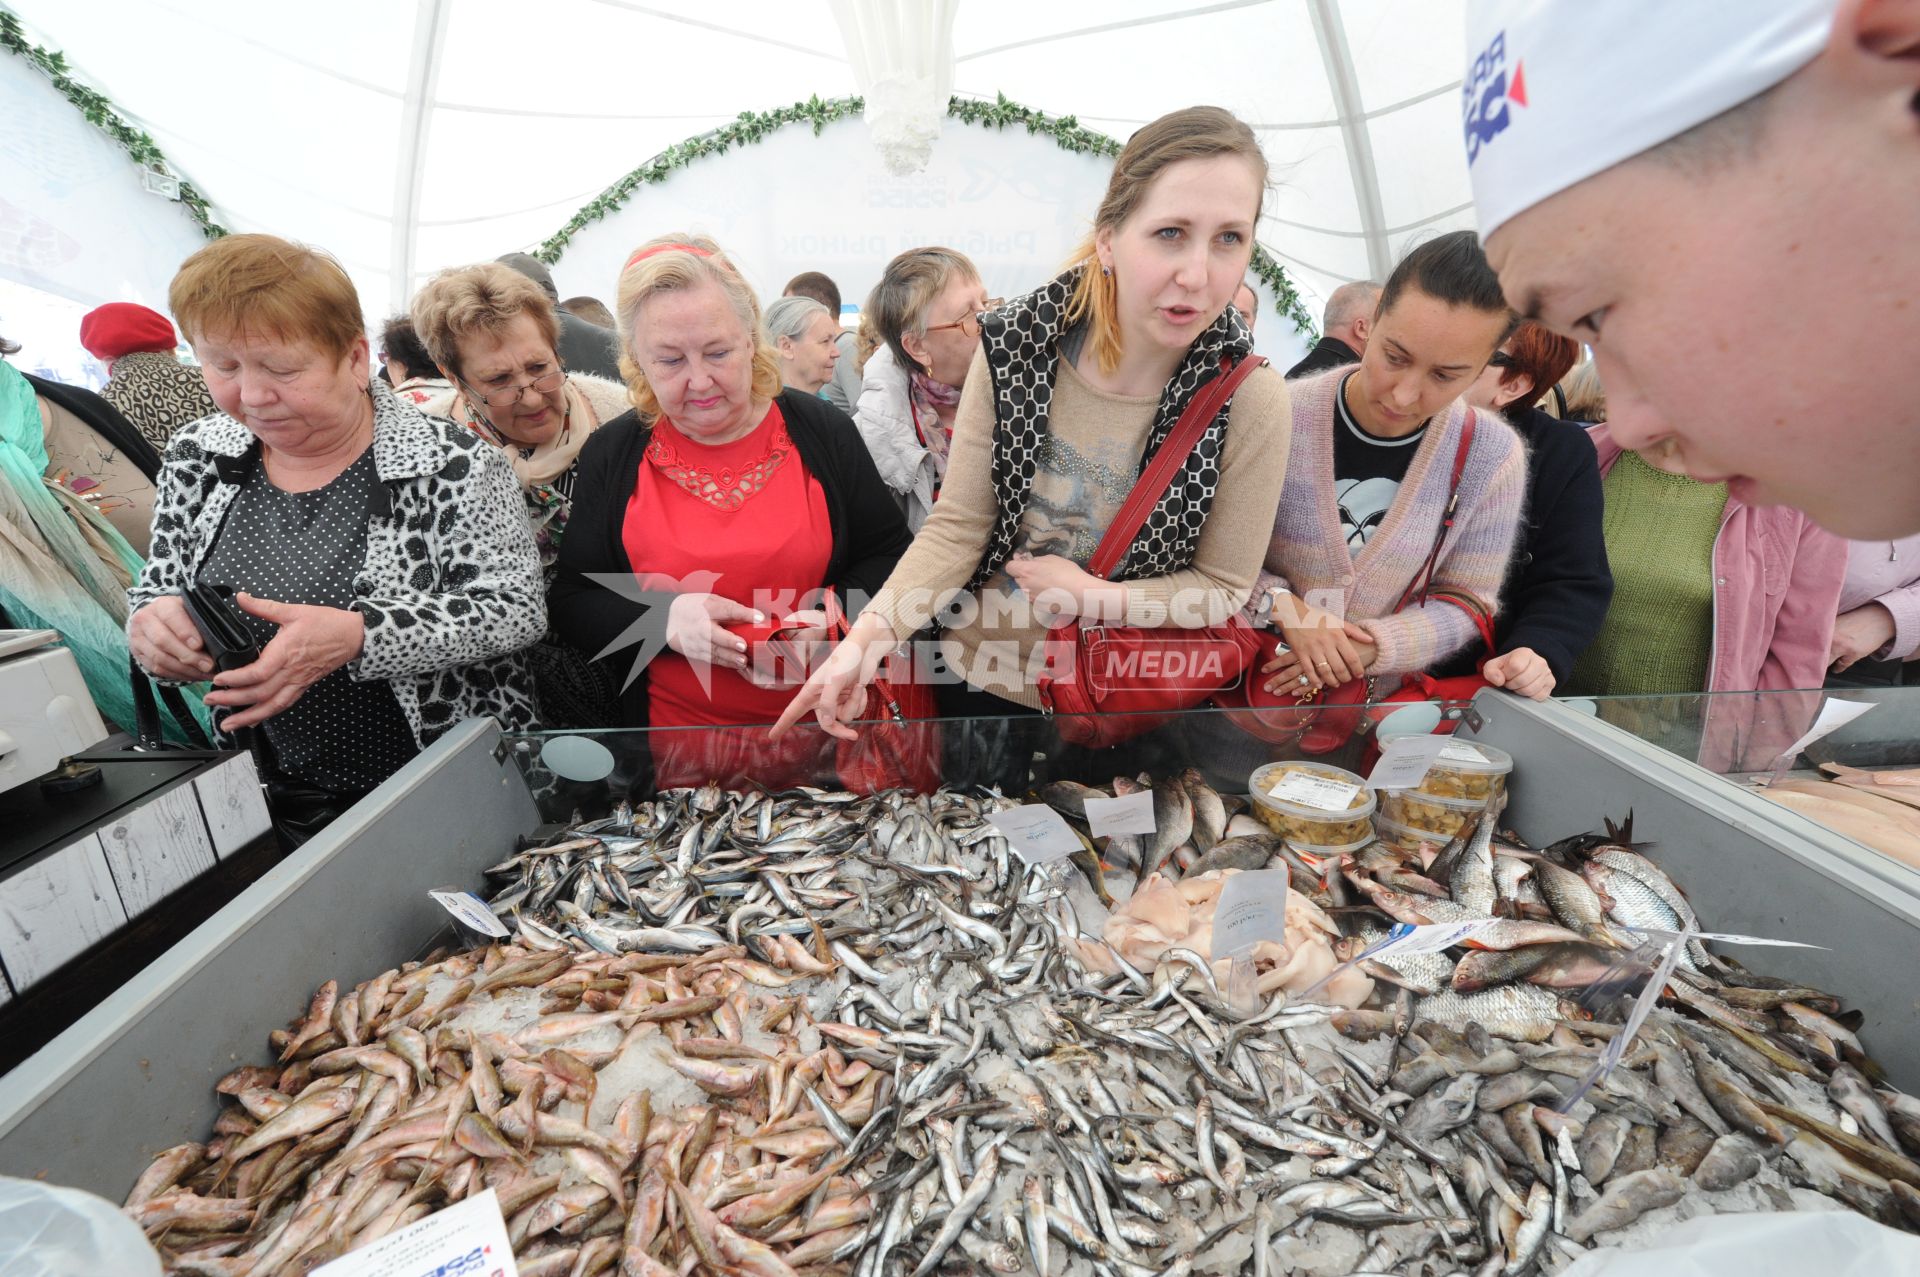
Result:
pixel 1711 595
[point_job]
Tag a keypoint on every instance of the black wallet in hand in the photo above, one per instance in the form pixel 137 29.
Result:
pixel 222 626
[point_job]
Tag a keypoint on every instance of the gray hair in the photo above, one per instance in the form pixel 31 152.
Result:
pixel 791 316
pixel 1349 302
pixel 898 303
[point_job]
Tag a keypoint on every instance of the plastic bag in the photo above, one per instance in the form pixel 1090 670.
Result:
pixel 46 1231
pixel 1830 1243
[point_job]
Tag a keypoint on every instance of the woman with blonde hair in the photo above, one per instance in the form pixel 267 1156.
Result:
pixel 726 500
pixel 1070 394
pixel 494 336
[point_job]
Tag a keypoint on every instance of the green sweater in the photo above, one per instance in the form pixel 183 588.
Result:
pixel 1658 635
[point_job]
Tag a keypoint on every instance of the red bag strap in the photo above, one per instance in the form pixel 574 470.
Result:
pixel 1424 580
pixel 1473 607
pixel 1174 450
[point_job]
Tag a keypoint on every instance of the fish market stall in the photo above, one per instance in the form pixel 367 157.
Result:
pixel 812 1030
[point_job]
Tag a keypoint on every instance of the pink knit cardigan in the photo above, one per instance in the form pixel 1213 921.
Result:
pixel 1308 552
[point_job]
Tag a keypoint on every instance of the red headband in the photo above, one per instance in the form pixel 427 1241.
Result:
pixel 645 253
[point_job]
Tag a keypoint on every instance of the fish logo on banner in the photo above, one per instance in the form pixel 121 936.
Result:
pixel 1486 93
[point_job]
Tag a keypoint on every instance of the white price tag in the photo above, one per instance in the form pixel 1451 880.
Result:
pixel 1405 938
pixel 1460 751
pixel 1723 938
pixel 1313 791
pixel 1405 760
pixel 1252 908
pixel 1037 832
pixel 1834 715
pixel 467 1239
pixel 472 910
pixel 1127 814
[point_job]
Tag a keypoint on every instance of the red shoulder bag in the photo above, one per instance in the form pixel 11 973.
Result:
pixel 1104 684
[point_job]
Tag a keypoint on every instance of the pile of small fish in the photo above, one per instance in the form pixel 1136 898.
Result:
pixel 898 1063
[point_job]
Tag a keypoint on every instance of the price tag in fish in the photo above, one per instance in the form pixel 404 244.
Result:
pixel 472 911
pixel 1405 761
pixel 1834 715
pixel 1724 938
pixel 1406 938
pixel 1252 908
pixel 1127 814
pixel 1317 792
pixel 468 1238
pixel 1037 832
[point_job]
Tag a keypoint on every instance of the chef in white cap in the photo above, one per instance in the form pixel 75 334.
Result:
pixel 1722 198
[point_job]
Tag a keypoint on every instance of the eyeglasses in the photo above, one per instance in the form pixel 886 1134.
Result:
pixel 545 383
pixel 969 323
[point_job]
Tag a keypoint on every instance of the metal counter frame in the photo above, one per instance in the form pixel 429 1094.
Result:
pixel 136 1075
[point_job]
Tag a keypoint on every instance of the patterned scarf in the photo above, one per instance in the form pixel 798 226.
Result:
pixel 1021 340
pixel 929 398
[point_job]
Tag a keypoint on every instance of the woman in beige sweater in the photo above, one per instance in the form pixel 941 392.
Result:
pixel 1073 389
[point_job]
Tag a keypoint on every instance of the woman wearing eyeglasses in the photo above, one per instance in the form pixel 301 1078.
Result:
pixel 721 502
pixel 926 311
pixel 493 334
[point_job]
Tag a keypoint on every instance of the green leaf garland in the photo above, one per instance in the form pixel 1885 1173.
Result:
pixel 750 126
pixel 101 114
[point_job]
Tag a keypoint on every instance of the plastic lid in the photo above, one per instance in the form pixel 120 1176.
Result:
pixel 1438 800
pixel 1314 853
pixel 1312 791
pixel 1474 758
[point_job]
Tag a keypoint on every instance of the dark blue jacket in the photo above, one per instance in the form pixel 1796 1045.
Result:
pixel 1558 584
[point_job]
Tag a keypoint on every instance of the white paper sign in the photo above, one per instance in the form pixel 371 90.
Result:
pixel 1406 938
pixel 467 1239
pixel 1037 832
pixel 1459 751
pixel 471 910
pixel 1128 814
pixel 1252 908
pixel 1405 760
pixel 1834 715
pixel 1317 792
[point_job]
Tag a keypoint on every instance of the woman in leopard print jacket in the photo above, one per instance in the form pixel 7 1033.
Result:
pixel 380 558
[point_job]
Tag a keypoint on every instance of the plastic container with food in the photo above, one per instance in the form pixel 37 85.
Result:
pixel 1428 816
pixel 1313 805
pixel 1468 769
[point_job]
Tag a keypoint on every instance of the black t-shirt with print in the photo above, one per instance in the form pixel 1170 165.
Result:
pixel 1367 471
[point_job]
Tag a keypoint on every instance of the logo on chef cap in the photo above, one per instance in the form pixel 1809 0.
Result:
pixel 1484 113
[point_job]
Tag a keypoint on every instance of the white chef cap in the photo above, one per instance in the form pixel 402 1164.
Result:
pixel 1558 90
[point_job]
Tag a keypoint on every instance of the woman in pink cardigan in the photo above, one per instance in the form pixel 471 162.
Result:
pixel 1774 587
pixel 1364 516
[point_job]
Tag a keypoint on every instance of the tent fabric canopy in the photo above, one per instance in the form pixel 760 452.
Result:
pixel 413 135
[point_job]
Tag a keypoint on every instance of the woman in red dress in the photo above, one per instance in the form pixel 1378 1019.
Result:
pixel 728 503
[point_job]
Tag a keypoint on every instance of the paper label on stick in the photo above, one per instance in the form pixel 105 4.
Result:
pixel 467 1239
pixel 1127 814
pixel 472 911
pixel 1405 761
pixel 1252 908
pixel 1406 938
pixel 1037 832
pixel 1724 938
pixel 1834 714
pixel 1317 792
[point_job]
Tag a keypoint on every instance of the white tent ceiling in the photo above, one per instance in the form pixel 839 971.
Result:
pixel 409 135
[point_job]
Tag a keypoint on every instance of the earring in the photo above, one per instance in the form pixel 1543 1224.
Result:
pixel 1107 271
